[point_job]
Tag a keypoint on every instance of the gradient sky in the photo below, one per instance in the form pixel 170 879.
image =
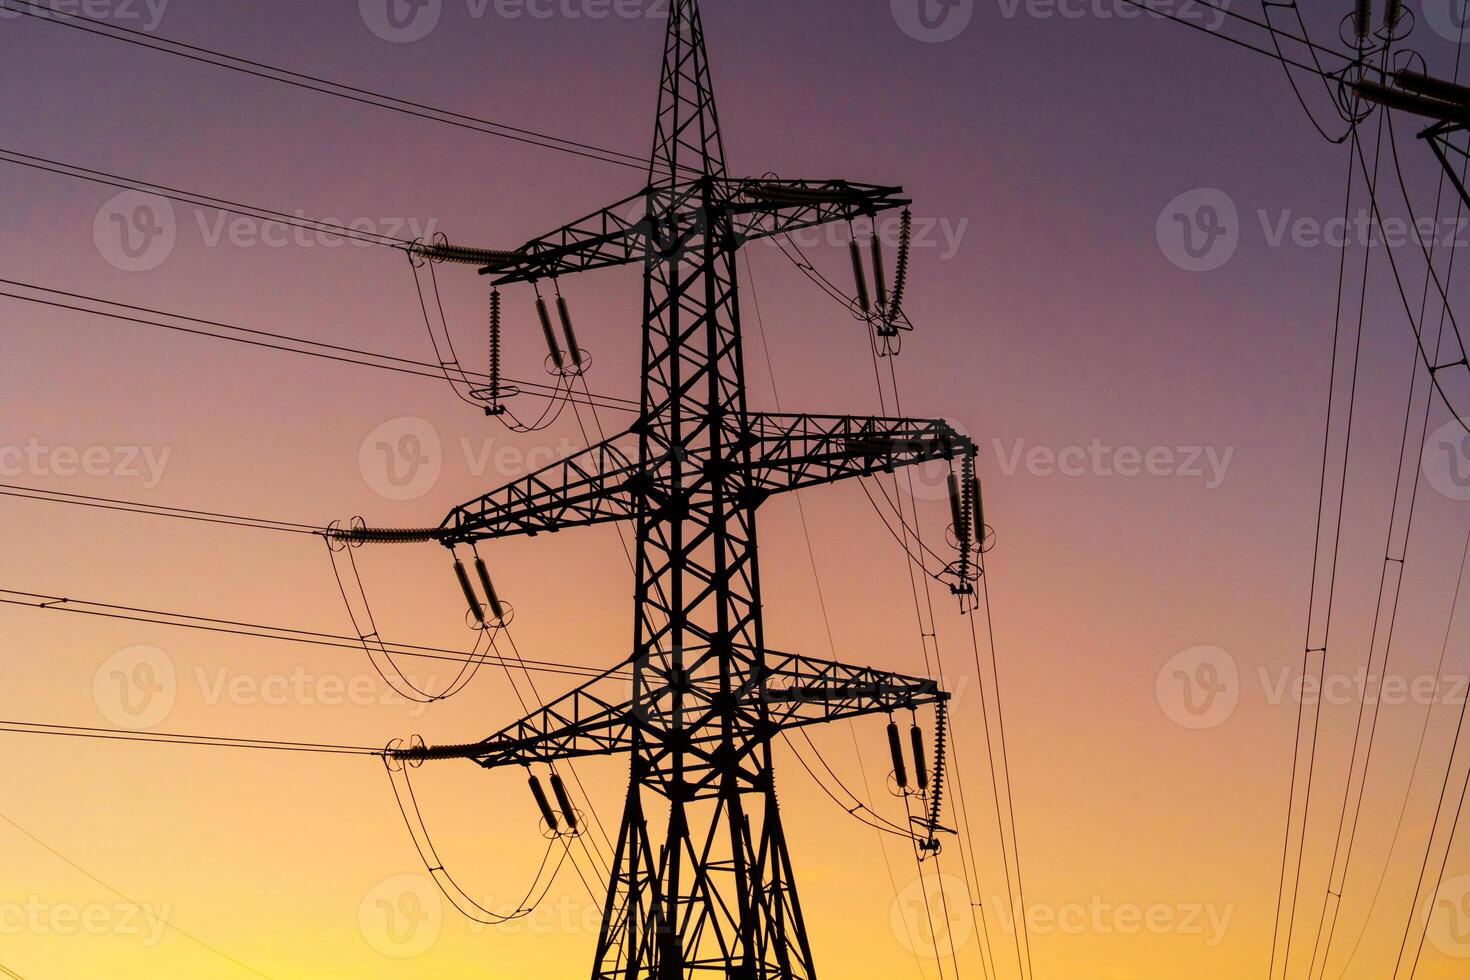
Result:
pixel 1041 146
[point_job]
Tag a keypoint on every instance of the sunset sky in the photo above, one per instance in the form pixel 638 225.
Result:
pixel 1149 418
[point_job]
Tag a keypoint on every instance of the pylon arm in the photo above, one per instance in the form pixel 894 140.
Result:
pixel 767 207
pixel 593 486
pixel 616 235
pixel 1451 157
pixel 599 718
pixel 795 451
pixel 802 691
pixel 594 719
pixel 603 483
pixel 622 233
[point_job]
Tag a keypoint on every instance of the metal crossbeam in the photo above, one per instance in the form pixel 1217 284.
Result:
pixel 633 230
pixel 788 452
pixel 600 717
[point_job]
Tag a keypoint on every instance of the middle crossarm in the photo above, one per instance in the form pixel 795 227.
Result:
pixel 795 451
pixel 604 482
pixel 603 716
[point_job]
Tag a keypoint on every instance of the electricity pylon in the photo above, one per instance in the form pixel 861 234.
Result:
pixel 717 896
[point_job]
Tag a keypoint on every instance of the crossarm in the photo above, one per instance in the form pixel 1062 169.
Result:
pixel 795 451
pixel 623 233
pixel 601 718
pixel 802 691
pixel 593 486
pixel 594 719
pixel 768 207
pixel 616 235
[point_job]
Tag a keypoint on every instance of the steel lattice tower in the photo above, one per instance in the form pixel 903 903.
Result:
pixel 713 894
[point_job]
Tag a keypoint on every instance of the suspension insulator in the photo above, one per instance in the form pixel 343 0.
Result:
pixel 957 509
pixel 547 813
pixel 860 278
pixel 469 591
pixel 895 749
pixel 880 280
pixel 979 504
pixel 901 277
pixel 1362 16
pixel 496 606
pixel 921 773
pixel 494 345
pixel 563 800
pixel 1392 14
pixel 566 329
pixel 545 316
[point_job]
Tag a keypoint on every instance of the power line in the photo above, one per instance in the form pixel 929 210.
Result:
pixel 153 510
pixel 169 738
pixel 321 85
pixel 1274 56
pixel 324 350
pixel 1439 808
pixel 134 614
pixel 164 921
pixel 194 199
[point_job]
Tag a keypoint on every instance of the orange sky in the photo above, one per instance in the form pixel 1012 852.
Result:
pixel 1041 152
